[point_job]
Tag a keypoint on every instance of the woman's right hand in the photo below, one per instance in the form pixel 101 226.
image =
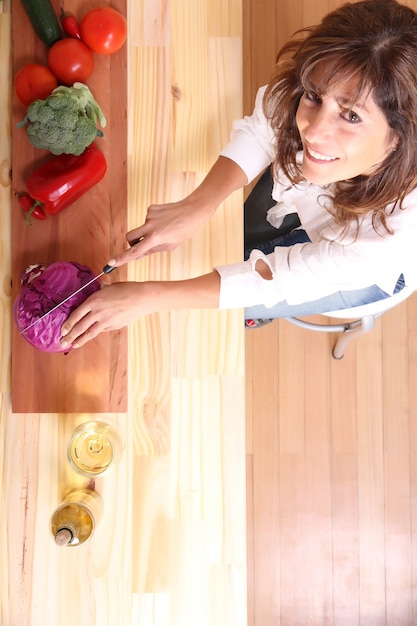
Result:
pixel 169 225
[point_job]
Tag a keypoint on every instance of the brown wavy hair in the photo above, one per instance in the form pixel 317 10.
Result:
pixel 375 40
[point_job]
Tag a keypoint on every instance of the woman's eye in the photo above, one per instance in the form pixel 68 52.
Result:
pixel 350 116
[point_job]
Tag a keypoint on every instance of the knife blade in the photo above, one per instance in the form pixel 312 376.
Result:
pixel 106 270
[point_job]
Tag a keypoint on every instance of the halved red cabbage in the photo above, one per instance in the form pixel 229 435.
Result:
pixel 42 289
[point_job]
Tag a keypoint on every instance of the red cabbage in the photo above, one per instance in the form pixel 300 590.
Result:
pixel 42 289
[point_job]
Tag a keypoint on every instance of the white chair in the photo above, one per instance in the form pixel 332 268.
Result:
pixel 364 320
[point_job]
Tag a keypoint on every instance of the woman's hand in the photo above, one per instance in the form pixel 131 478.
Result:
pixel 166 227
pixel 118 305
pixel 110 308
pixel 169 225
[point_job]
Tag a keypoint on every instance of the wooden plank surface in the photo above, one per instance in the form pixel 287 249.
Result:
pixel 170 548
pixel 91 231
pixel 331 445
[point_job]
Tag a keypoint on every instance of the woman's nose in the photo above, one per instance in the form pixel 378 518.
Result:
pixel 320 125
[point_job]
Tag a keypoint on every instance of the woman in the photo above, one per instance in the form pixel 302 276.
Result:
pixel 338 124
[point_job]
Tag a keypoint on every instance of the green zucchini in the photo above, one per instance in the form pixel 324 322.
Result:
pixel 43 19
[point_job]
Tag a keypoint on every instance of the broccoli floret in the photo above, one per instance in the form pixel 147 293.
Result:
pixel 85 130
pixel 35 134
pixel 66 121
pixel 37 111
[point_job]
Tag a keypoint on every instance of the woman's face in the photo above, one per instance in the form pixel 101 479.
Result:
pixel 341 140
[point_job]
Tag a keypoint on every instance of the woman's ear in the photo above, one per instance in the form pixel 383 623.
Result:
pixel 395 143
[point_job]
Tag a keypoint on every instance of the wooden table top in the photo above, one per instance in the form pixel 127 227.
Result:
pixel 170 549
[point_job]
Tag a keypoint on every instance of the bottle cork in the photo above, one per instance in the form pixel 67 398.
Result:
pixel 63 537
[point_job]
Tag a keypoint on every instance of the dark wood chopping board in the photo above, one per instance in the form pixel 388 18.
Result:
pixel 91 379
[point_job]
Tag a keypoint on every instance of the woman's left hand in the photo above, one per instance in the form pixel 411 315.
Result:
pixel 119 304
pixel 110 308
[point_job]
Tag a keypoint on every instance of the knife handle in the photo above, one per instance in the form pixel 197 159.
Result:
pixel 109 268
pixel 135 241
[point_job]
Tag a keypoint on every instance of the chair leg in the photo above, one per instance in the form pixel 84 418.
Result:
pixel 367 324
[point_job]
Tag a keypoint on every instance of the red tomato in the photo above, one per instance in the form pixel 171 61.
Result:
pixel 34 81
pixel 71 61
pixel 104 30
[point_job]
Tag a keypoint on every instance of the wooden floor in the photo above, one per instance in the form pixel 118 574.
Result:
pixel 332 476
pixel 331 445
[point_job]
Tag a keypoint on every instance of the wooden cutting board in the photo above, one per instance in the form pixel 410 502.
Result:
pixel 92 379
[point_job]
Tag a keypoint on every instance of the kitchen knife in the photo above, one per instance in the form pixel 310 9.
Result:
pixel 106 270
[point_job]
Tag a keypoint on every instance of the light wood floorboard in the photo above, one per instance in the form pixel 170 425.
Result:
pixel 331 445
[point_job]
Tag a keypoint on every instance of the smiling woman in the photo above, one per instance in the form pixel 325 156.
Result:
pixel 337 123
pixel 342 137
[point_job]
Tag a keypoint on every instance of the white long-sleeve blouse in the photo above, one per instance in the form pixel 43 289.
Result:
pixel 334 260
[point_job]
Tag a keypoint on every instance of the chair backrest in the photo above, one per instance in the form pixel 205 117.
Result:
pixel 373 308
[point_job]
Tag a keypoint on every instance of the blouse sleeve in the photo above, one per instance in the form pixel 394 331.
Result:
pixel 252 143
pixel 309 271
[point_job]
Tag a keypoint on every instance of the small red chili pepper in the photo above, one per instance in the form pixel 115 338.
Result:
pixel 31 207
pixel 70 26
pixel 65 178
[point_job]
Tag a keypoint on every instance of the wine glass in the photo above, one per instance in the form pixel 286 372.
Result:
pixel 95 447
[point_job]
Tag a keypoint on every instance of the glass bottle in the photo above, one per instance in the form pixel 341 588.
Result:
pixel 73 522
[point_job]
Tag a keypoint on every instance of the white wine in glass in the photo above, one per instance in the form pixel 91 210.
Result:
pixel 74 520
pixel 94 448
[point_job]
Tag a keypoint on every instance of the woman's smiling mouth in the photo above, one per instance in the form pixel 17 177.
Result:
pixel 318 157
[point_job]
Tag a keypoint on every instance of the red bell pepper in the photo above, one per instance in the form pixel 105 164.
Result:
pixel 30 208
pixel 63 179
